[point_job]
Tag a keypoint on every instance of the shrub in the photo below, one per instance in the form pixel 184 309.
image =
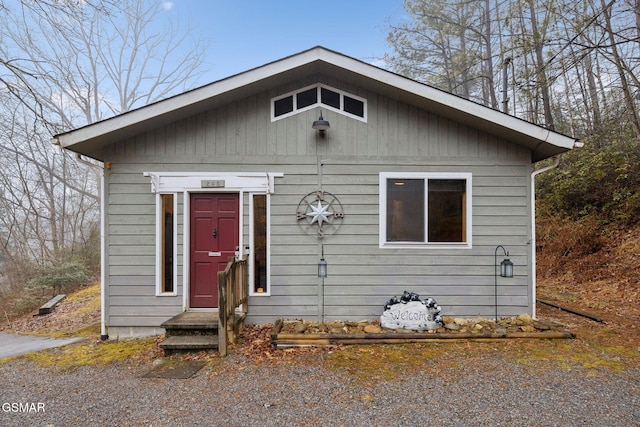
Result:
pixel 67 275
pixel 600 181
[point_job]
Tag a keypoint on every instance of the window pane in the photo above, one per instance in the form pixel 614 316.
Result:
pixel 283 106
pixel 330 98
pixel 447 216
pixel 306 98
pixel 353 106
pixel 405 210
pixel 167 242
pixel 260 243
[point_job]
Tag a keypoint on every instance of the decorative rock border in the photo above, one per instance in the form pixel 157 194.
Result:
pixel 293 333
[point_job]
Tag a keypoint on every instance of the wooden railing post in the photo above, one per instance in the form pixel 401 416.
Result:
pixel 222 312
pixel 232 292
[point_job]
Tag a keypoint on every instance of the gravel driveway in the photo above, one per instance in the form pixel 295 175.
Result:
pixel 492 392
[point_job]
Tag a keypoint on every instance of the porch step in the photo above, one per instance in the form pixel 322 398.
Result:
pixel 190 342
pixel 194 331
pixel 191 331
pixel 192 323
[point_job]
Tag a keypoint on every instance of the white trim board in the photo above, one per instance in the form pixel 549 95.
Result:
pixel 173 182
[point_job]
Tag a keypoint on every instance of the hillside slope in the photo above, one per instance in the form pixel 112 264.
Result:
pixel 78 314
pixel 582 267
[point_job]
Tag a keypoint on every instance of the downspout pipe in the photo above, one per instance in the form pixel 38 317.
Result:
pixel 535 173
pixel 103 327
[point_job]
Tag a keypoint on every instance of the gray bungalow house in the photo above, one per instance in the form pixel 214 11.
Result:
pixel 317 158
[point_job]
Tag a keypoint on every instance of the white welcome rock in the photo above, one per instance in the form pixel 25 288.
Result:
pixel 413 315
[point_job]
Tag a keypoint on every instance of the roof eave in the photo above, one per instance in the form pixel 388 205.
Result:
pixel 90 139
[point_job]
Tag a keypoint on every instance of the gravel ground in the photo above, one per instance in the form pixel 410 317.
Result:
pixel 494 392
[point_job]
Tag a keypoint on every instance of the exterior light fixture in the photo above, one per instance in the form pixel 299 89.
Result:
pixel 322 268
pixel 321 124
pixel 506 267
pixel 506 270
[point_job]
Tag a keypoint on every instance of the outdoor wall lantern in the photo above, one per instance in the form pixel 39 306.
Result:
pixel 322 268
pixel 321 124
pixel 506 270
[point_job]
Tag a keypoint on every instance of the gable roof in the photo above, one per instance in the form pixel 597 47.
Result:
pixel 89 140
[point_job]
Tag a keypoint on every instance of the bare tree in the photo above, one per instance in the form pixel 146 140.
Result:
pixel 572 65
pixel 64 65
pixel 48 198
pixel 93 63
pixel 17 72
pixel 627 68
pixel 442 45
pixel 539 36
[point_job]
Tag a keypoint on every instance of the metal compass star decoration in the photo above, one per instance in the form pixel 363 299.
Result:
pixel 319 213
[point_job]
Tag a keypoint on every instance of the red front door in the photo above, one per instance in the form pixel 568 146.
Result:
pixel 214 238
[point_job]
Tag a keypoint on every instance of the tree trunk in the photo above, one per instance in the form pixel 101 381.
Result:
pixel 621 68
pixel 593 94
pixel 541 75
pixel 489 81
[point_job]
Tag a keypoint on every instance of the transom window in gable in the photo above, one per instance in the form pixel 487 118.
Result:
pixel 318 95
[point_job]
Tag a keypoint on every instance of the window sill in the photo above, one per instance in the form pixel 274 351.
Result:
pixel 417 245
pixel 167 294
pixel 260 294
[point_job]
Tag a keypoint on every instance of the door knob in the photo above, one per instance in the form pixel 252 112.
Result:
pixel 214 233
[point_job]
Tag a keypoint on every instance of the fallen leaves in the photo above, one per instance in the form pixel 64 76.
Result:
pixel 255 344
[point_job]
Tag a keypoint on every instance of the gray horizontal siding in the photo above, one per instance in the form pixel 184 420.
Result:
pixel 347 163
pixel 362 276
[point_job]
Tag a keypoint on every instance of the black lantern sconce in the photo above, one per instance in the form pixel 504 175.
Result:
pixel 322 268
pixel 321 125
pixel 506 270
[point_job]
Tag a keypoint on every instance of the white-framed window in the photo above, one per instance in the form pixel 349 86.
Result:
pixel 318 95
pixel 425 210
pixel 259 243
pixel 166 244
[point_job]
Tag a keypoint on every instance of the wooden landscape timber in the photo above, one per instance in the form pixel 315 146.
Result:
pixel 572 311
pixel 50 305
pixel 284 340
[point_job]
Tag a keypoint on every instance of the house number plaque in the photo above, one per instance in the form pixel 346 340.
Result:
pixel 320 213
pixel 212 183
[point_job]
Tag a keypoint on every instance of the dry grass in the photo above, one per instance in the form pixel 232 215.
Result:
pixel 94 352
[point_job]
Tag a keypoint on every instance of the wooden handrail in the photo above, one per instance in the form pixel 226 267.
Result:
pixel 233 292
